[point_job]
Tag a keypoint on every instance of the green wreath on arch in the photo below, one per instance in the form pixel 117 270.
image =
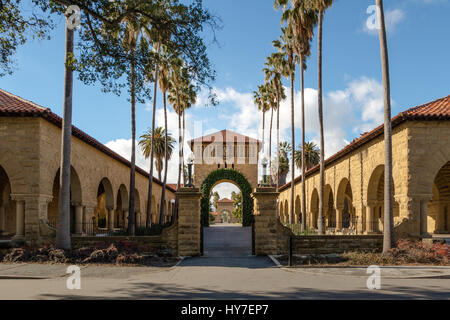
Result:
pixel 242 183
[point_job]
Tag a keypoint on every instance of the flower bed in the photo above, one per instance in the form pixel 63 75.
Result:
pixel 405 253
pixel 124 252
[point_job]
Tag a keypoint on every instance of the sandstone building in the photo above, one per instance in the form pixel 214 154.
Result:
pixel 353 195
pixel 30 138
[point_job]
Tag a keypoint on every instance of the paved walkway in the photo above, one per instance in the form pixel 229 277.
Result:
pixel 227 240
pixel 226 272
pixel 221 278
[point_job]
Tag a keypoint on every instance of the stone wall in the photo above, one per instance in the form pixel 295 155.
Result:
pixel 167 241
pixel 336 244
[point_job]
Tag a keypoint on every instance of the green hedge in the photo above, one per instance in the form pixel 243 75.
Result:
pixel 244 186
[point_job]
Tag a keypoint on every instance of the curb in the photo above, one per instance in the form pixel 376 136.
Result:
pixel 275 260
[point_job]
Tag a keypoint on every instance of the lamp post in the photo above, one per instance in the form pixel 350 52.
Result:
pixel 190 163
pixel 264 165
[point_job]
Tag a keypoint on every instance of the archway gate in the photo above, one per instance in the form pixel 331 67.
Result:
pixel 227 175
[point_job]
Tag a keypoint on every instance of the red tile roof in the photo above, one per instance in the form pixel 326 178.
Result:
pixel 14 106
pixel 223 136
pixel 174 185
pixel 435 110
pixel 225 200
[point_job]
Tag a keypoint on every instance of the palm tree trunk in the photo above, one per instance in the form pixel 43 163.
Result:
pixel 278 141
pixel 63 230
pixel 152 152
pixel 182 148
pixel 388 240
pixel 131 215
pixel 322 142
pixel 270 146
pixel 291 216
pixel 263 130
pixel 166 156
pixel 303 226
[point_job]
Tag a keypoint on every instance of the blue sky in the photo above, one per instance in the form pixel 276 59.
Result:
pixel 419 46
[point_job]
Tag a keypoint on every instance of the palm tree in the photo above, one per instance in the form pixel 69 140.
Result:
pixel 275 66
pixel 159 148
pixel 286 48
pixel 283 161
pixel 303 21
pixel 258 98
pixel 388 240
pixel 133 29
pixel 62 240
pixel 320 6
pixel 164 83
pixel 308 156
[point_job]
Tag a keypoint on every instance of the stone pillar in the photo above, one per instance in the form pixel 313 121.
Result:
pixel 20 220
pixel 370 217
pixel 78 219
pixel 125 218
pixel 110 219
pixel 266 237
pixel 424 216
pixel 339 215
pixel 189 223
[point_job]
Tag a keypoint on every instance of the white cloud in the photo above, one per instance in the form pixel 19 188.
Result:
pixel 392 19
pixel 225 189
pixel 347 113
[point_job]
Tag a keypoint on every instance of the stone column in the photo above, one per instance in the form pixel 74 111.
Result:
pixel 110 219
pixel 78 219
pixel 20 220
pixel 339 215
pixel 424 216
pixel 370 217
pixel 266 237
pixel 189 223
pixel 125 218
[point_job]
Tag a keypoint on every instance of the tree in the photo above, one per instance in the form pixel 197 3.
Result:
pixel 286 48
pixel 237 203
pixel 258 98
pixel 63 240
pixel 15 28
pixel 320 6
pixel 311 155
pixel 164 83
pixel 283 162
pixel 302 22
pixel 275 68
pixel 216 198
pixel 388 238
pixel 160 150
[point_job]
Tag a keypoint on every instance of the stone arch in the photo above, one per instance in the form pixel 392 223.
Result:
pixel 329 207
pixel 231 176
pixel 344 203
pixel 438 211
pixel 298 213
pixel 315 209
pixel 281 211
pixel 76 197
pixel 105 202
pixel 7 206
pixel 14 171
pixel 137 209
pixel 430 166
pixel 286 211
pixel 375 199
pixel 154 213
pixel 121 207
